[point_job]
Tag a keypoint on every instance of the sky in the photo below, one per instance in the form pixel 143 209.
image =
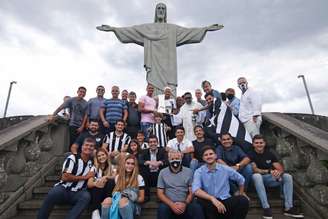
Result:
pixel 52 47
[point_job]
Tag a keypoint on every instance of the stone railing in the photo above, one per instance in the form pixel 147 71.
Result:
pixel 9 121
pixel 28 151
pixel 303 150
pixel 318 121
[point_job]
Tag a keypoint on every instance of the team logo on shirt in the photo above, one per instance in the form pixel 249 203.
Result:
pixel 98 139
pixel 268 161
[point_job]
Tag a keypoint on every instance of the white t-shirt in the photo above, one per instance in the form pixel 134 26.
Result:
pixel 175 145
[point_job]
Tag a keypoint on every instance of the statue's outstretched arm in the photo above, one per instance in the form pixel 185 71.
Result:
pixel 215 27
pixel 105 27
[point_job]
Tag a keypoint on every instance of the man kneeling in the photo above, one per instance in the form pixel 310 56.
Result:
pixel 72 187
pixel 211 186
pixel 174 191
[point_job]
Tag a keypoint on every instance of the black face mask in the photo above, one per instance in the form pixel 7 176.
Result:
pixel 230 96
pixel 175 163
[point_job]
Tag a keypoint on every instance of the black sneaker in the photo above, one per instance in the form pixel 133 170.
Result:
pixel 292 212
pixel 267 213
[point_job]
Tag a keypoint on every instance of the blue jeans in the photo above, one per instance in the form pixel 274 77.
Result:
pixel 260 181
pixel 145 127
pixel 59 195
pixel 127 212
pixel 193 210
pixel 246 172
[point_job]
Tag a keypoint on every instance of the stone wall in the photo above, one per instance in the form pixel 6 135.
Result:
pixel 305 162
pixel 27 151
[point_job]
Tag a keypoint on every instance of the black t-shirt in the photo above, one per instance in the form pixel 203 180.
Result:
pixel 264 160
pixel 133 115
pixel 198 146
pixel 86 134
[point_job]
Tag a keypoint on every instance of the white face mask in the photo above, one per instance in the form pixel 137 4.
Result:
pixel 175 163
pixel 243 87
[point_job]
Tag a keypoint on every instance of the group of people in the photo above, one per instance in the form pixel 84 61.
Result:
pixel 119 149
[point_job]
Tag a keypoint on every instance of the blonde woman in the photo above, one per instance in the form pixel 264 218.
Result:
pixel 131 187
pixel 102 185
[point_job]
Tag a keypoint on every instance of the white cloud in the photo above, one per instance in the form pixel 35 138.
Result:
pixel 51 48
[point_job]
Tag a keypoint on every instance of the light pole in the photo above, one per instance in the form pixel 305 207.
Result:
pixel 7 102
pixel 307 92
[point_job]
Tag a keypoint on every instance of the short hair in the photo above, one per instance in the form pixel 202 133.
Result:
pixel 187 93
pixel 209 94
pixel 198 90
pixel 89 140
pixel 230 89
pixel 100 86
pixel 172 152
pixel 94 120
pixel 150 85
pixel 167 88
pixel 132 93
pixel 120 120
pixel 206 148
pixel 152 137
pixel 125 90
pixel 141 132
pixel 204 82
pixel 82 88
pixel 257 137
pixel 179 128
pixel 198 126
pixel 225 133
pixel 157 114
pixel 241 78
pixel 115 86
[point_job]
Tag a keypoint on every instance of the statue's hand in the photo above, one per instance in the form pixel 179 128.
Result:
pixel 105 28
pixel 214 27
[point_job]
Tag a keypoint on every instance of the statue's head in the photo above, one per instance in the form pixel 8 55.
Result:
pixel 160 13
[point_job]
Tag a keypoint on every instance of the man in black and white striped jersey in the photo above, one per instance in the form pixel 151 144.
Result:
pixel 72 187
pixel 117 141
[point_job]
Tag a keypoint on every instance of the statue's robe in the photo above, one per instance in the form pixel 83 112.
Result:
pixel 160 55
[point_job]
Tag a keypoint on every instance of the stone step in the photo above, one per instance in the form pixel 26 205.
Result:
pixel 274 196
pixel 35 204
pixel 144 215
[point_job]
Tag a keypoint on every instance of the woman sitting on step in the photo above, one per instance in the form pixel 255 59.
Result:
pixel 128 192
pixel 102 185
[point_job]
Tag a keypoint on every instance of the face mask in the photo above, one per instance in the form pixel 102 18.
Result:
pixel 230 96
pixel 243 87
pixel 175 163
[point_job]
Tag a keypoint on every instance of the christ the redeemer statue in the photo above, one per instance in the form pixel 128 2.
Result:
pixel 160 40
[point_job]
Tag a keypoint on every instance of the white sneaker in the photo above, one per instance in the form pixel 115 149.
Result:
pixel 95 214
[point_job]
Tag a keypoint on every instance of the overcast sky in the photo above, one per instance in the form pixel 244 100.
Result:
pixel 52 47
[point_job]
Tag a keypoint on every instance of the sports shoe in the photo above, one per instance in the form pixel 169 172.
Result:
pixel 292 212
pixel 267 213
pixel 95 214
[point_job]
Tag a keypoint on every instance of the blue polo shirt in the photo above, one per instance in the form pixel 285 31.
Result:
pixel 216 182
pixel 114 109
pixel 232 155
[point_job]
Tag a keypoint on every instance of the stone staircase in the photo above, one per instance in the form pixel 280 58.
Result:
pixel 31 156
pixel 28 209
